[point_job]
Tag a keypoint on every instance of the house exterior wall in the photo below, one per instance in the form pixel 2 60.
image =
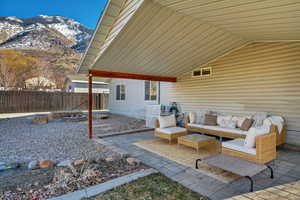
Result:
pixel 134 104
pixel 259 77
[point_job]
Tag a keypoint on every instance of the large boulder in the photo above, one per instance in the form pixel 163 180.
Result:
pixel 46 163
pixel 65 163
pixel 79 162
pixel 34 164
pixel 132 161
pixel 40 120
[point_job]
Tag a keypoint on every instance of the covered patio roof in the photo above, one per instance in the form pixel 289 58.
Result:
pixel 172 37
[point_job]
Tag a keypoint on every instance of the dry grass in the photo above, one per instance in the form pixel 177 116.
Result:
pixel 152 187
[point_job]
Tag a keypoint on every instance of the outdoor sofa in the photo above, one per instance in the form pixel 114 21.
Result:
pixel 217 130
pixel 262 151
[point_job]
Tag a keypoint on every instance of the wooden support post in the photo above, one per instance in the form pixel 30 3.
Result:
pixel 90 110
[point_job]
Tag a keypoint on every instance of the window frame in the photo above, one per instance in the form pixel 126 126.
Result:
pixel 120 92
pixel 156 96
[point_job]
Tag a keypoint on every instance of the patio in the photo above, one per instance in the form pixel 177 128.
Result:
pixel 285 170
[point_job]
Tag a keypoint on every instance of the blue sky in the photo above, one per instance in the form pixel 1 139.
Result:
pixel 86 12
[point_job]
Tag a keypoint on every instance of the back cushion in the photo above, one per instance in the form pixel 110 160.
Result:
pixel 253 133
pixel 223 118
pixel 259 118
pixel 197 117
pixel 210 120
pixel 193 117
pixel 167 121
pixel 239 120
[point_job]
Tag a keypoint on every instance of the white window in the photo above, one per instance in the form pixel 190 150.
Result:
pixel 150 90
pixel 120 92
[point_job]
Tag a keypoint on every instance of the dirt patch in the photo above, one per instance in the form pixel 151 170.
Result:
pixel 45 183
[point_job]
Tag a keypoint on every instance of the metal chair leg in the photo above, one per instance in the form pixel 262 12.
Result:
pixel 196 164
pixel 272 173
pixel 251 183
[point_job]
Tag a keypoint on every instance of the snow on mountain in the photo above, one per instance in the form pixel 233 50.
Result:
pixel 12 29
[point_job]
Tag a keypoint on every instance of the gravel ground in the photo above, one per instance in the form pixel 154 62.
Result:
pixel 22 141
pixel 117 123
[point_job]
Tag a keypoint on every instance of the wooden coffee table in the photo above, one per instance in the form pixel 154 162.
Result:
pixel 196 141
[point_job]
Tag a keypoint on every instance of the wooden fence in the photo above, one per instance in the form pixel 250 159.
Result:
pixel 37 101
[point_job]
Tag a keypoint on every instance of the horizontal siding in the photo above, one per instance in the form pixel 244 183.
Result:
pixel 134 104
pixel 259 77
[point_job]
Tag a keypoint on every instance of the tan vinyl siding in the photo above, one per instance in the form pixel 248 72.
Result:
pixel 258 77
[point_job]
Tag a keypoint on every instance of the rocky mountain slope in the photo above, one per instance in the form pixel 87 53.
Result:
pixel 56 42
pixel 43 32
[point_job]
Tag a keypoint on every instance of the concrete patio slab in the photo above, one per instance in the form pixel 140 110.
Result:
pixel 285 170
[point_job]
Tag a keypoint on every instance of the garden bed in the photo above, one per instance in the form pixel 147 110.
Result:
pixel 29 184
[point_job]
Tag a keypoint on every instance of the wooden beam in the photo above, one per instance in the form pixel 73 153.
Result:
pixel 90 114
pixel 107 74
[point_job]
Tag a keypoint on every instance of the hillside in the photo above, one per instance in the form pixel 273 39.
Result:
pixel 55 42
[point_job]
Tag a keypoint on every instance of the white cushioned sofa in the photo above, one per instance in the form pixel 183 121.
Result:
pixel 194 121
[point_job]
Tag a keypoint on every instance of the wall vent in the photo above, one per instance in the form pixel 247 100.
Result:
pixel 202 72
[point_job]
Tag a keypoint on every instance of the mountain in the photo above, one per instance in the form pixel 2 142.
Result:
pixel 55 43
pixel 43 32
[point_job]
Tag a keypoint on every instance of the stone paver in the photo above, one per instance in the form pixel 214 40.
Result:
pixel 282 192
pixel 285 170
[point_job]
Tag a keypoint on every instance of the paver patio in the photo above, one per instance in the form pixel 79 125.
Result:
pixel 285 170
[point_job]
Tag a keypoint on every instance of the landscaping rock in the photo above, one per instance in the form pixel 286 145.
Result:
pixel 79 162
pixel 40 120
pixel 103 116
pixel 45 163
pixel 110 159
pixel 132 161
pixel 65 163
pixel 33 164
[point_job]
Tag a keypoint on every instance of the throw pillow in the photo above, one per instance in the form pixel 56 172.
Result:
pixel 252 133
pixel 239 120
pixel 193 117
pixel 231 124
pixel 167 121
pixel 247 124
pixel 222 118
pixel 259 118
pixel 210 120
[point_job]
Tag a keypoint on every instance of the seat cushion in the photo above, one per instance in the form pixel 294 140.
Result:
pixel 171 130
pixel 238 145
pixel 218 128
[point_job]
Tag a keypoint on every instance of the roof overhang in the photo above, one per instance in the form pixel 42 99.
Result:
pixel 168 38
